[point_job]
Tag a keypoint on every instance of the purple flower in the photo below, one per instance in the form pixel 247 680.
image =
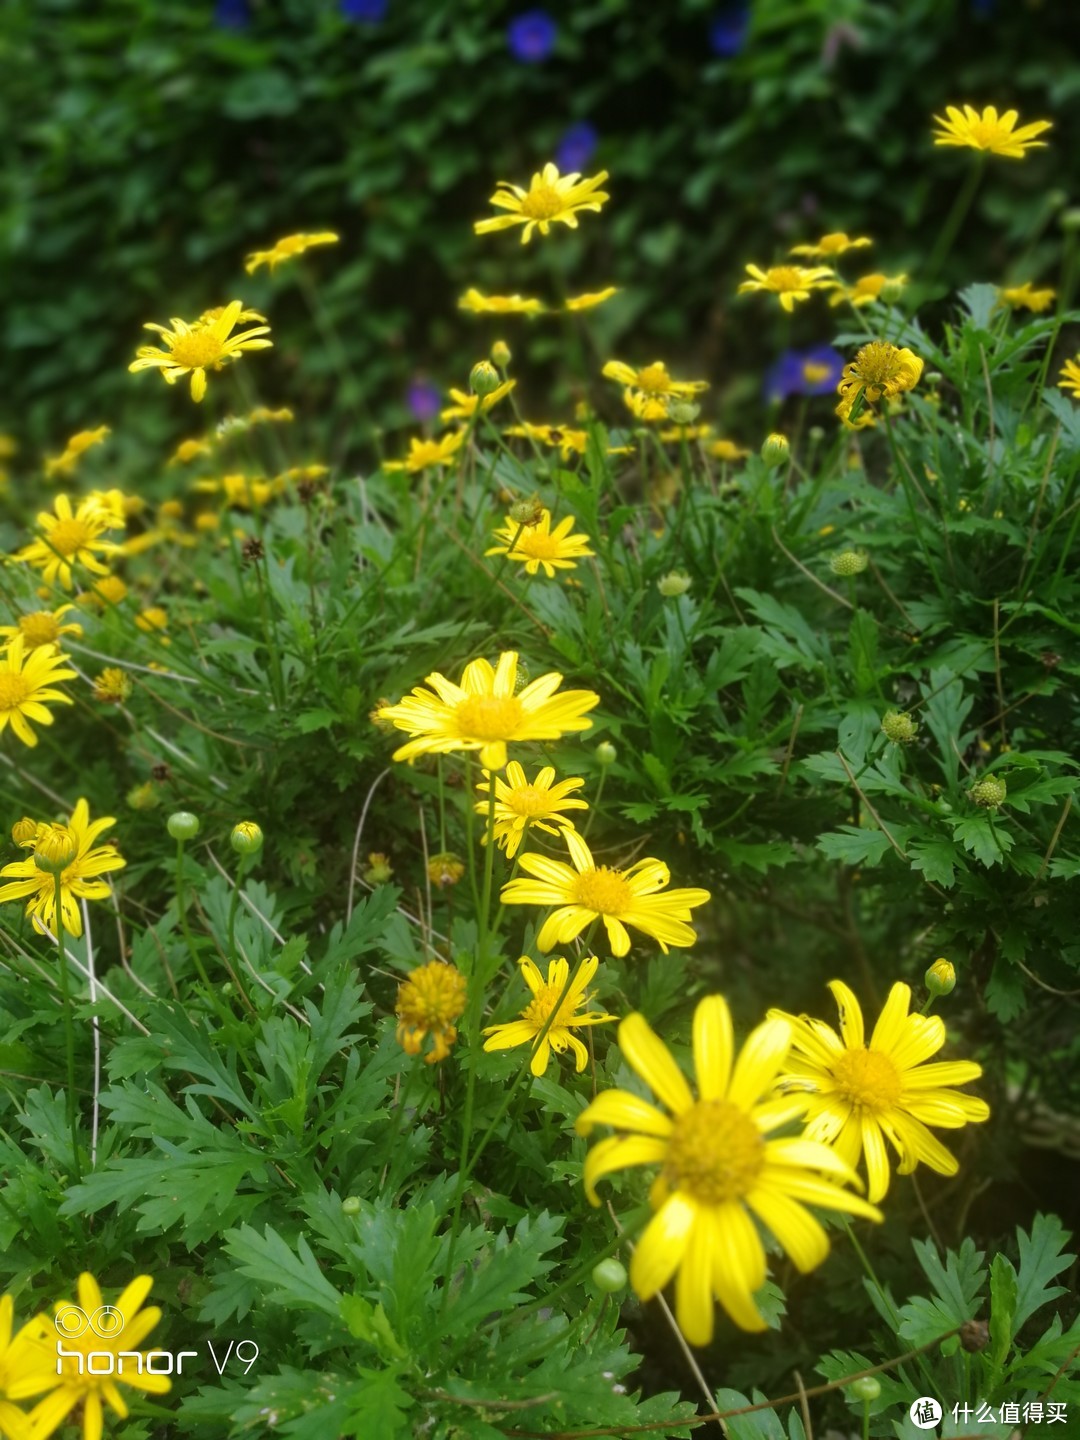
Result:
pixel 575 149
pixel 815 371
pixel 232 14
pixel 531 36
pixel 369 11
pixel 424 399
pixel 728 31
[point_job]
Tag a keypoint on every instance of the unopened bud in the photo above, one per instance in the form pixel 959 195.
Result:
pixel 606 754
pixel 246 838
pixel 24 832
pixel 144 796
pixel 610 1276
pixel 940 978
pixel 182 825
pixel 527 512
pixel 775 450
pixel 500 354
pixel 866 1388
pixel 848 562
pixel 378 870
pixel 54 849
pixel 899 727
pixel 683 412
pixel 674 584
pixel 350 1205
pixel 974 1336
pixel 483 378
pixel 989 792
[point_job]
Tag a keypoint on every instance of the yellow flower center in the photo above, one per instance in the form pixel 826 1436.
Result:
pixel 603 890
pixel 878 364
pixel 488 717
pixel 537 545
pixel 814 374
pixel 40 628
pixel 541 1006
pixel 785 277
pixel 543 202
pixel 528 800
pixel 433 997
pixel 68 537
pixel 14 688
pixel 196 350
pixel 654 379
pixel 715 1153
pixel 868 1079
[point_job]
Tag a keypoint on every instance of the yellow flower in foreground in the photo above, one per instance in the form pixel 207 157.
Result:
pixel 869 288
pixel 287 249
pixel 788 283
pixel 77 882
pixel 584 891
pixel 521 803
pixel 64 464
pixel 428 1003
pixel 988 131
pixel 487 712
pixel 835 243
pixel 719 1169
pixel 28 1354
pixel 858 1094
pixel 193 349
pixel 880 369
pixel 534 1017
pixel 1069 376
pixel 591 300
pixel 70 538
pixel 26 685
pixel 423 453
pixel 127 1326
pixel 1025 297
pixel 465 406
pixel 41 627
pixel 536 545
pixel 550 197
pixel 499 304
pixel 652 380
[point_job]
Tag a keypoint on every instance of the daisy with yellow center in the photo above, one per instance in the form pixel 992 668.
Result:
pixel 73 1381
pixel 194 349
pixel 24 1355
pixel 989 131
pixel 499 304
pixel 41 627
pixel 424 453
pixel 653 380
pixel 429 1002
pixel 521 803
pixel 879 369
pixel 1069 376
pixel 110 591
pixel 78 444
pixel 487 712
pixel 719 1171
pixel 584 891
pixel 551 998
pixel 536 545
pixel 26 691
pixel 70 537
pixel 590 300
pixel 869 288
pixel 831 245
pixel 287 249
pixel 859 1095
pixel 789 283
pixel 1026 297
pixel 550 197
pixel 466 406
pixel 79 879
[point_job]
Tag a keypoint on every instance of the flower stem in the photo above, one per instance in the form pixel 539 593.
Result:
pixel 955 218
pixel 69 1029
pixel 181 907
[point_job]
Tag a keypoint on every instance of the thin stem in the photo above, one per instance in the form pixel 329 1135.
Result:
pixel 69 1028
pixel 953 221
pixel 181 907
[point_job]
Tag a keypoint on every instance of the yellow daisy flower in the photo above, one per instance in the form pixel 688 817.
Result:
pixel 653 380
pixel 78 444
pixel 465 406
pixel 1026 297
pixel 428 1003
pixel 1069 377
pixel 727 450
pixel 567 440
pixel 858 1094
pixel 831 245
pixel 550 197
pixel 487 712
pixel 78 880
pixel 568 1017
pixel 423 453
pixel 880 369
pixel 110 591
pixel 189 450
pixel 113 686
pixel 76 1383
pixel 41 627
pixel 720 1172
pixel 521 803
pixel 591 300
pixel 989 131
pixel 536 545
pixel 584 891
pixel 867 289
pixel 26 683
pixel 788 283
pixel 26 1354
pixel 70 538
pixel 154 620
pixel 499 304
pixel 193 349
pixel 287 249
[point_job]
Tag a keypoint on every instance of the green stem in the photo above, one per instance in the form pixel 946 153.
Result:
pixel 181 906
pixel 953 221
pixel 69 1028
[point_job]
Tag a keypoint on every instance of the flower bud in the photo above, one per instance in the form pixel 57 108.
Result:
pixel 54 849
pixel 866 1388
pixel 989 792
pixel 606 754
pixel 378 870
pixel 674 584
pixel 775 450
pixel 500 354
pixel 246 838
pixel 378 719
pixel 350 1205
pixel 182 825
pixel 899 727
pixel 144 796
pixel 683 412
pixel 527 512
pixel 483 378
pixel 940 978
pixel 610 1276
pixel 849 562
pixel 24 832
pixel 445 869
pixel 816 433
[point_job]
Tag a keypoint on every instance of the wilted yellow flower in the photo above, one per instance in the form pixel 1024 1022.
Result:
pixel 466 406
pixel 591 300
pixel 550 197
pixel 499 304
pixel 78 444
pixel 989 131
pixel 429 1002
pixel 789 283
pixel 113 686
pixel 193 349
pixel 1025 297
pixel 69 538
pixel 879 369
pixel 831 245
pixel 42 627
pixel 869 288
pixel 537 544
pixel 423 453
pixel 568 1017
pixel 287 249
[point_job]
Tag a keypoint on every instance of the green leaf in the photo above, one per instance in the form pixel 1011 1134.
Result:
pixel 862 651
pixel 1003 1293
pixel 936 859
pixel 761 1425
pixel 983 839
pixel 1041 1259
pixel 854 846
pixel 290 1278
pixel 957 1288
pixel 946 707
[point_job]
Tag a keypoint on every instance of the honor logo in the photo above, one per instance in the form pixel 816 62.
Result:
pixel 107 1323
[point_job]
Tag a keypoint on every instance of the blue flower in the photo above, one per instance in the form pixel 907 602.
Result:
pixel 531 36
pixel 424 399
pixel 575 149
pixel 370 11
pixel 815 371
pixel 232 14
pixel 728 31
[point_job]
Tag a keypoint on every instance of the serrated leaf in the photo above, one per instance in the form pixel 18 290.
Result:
pixel 761 1425
pixel 979 836
pixel 1041 1258
pixel 1003 1293
pixel 290 1278
pixel 936 859
pixel 854 846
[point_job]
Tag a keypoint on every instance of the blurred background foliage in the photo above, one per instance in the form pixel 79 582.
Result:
pixel 150 147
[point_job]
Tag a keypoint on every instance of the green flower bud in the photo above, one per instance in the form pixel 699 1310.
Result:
pixel 483 378
pixel 899 727
pixel 849 562
pixel 500 354
pixel 682 412
pixel 940 978
pixel 989 792
pixel 350 1205
pixel 246 838
pixel 182 825
pixel 606 754
pixel 144 796
pixel 610 1276
pixel 54 849
pixel 775 450
pixel 379 869
pixel 866 1389
pixel 527 512
pixel 674 584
